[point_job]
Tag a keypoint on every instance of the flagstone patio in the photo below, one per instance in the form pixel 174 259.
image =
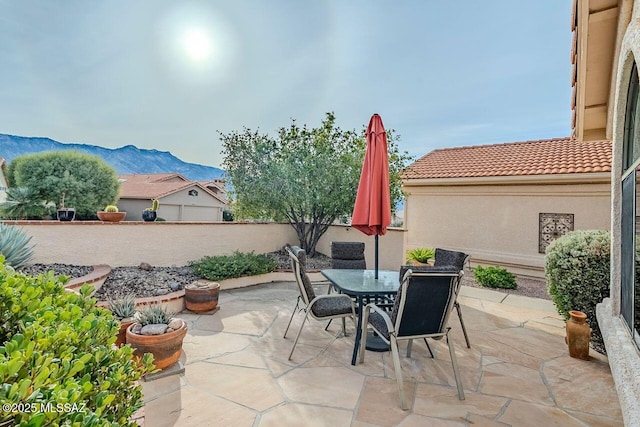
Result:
pixel 516 373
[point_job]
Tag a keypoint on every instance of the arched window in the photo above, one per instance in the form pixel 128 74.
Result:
pixel 630 261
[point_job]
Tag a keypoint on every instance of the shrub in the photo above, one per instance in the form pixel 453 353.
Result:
pixel 229 266
pixel 494 277
pixel 23 203
pixel 14 246
pixel 577 268
pixel 57 357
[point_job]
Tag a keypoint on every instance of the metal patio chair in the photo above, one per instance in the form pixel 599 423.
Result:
pixel 322 307
pixel 421 310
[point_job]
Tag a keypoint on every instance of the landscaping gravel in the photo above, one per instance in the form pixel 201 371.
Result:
pixel 162 280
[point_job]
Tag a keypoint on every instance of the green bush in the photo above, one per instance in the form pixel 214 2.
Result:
pixel 58 364
pixel 494 277
pixel 14 246
pixel 229 266
pixel 577 268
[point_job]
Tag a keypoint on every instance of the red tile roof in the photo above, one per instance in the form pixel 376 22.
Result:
pixel 543 157
pixel 155 186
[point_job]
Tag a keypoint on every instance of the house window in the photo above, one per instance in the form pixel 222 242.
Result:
pixel 193 193
pixel 551 226
pixel 630 262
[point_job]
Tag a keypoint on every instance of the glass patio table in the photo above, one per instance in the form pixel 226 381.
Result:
pixel 362 285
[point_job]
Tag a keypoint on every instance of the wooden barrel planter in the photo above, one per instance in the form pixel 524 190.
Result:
pixel 201 296
pixel 166 348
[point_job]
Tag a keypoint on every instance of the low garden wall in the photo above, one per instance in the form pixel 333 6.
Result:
pixel 176 243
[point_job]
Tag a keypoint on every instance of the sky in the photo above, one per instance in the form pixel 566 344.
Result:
pixel 171 75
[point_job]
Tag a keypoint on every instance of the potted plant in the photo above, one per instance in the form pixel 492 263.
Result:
pixel 421 256
pixel 123 309
pixel 156 331
pixel 201 296
pixel 150 214
pixel 111 213
pixel 65 213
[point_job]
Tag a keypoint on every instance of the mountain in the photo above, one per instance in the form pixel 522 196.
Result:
pixel 125 160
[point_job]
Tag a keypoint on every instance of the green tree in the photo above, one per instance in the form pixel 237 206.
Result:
pixel 306 176
pixel 88 182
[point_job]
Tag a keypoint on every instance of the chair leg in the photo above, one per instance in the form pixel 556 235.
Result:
pixel 344 326
pixel 464 329
pixel 299 332
pixel 398 371
pixel 291 318
pixel 409 346
pixel 428 347
pixel 454 362
pixel 363 335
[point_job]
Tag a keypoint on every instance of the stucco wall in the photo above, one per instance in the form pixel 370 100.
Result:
pixel 498 224
pixel 177 243
pixel 624 357
pixel 390 246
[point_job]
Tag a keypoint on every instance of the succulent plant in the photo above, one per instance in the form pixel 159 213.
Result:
pixel 124 307
pixel 155 204
pixel 14 246
pixel 421 254
pixel 154 314
pixel 111 208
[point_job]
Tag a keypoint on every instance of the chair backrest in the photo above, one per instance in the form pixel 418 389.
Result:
pixel 446 257
pixel 304 283
pixel 348 255
pixel 424 302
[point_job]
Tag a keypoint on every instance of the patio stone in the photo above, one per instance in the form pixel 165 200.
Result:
pixel 190 407
pixel 524 414
pixel 296 415
pixel 516 382
pixel 335 387
pixel 516 373
pixel 565 378
pixel 442 402
pixel 253 388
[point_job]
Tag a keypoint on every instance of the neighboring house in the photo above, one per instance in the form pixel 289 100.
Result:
pixel 504 203
pixel 3 180
pixel 606 52
pixel 180 199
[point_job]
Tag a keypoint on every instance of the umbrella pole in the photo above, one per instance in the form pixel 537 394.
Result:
pixel 376 259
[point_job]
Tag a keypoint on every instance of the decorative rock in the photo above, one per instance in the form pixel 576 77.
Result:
pixel 175 324
pixel 154 329
pixel 145 266
pixel 136 328
pixel 175 286
pixel 162 291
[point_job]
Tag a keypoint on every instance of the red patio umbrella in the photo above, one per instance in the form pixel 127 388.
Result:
pixel 372 210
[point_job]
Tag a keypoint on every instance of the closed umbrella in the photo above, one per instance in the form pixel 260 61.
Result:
pixel 372 210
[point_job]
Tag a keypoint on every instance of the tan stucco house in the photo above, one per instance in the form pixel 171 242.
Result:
pixel 606 104
pixel 504 203
pixel 180 199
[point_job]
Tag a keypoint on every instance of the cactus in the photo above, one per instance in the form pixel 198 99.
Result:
pixel 111 208
pixel 155 204
pixel 14 246
pixel 124 307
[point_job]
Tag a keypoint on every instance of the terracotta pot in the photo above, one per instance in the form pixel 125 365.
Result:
pixel 166 348
pixel 122 333
pixel 111 216
pixel 201 296
pixel 578 335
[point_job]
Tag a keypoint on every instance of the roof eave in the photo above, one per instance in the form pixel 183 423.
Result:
pixel 567 178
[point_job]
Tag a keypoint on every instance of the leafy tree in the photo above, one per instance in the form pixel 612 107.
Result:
pixel 306 176
pixel 88 182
